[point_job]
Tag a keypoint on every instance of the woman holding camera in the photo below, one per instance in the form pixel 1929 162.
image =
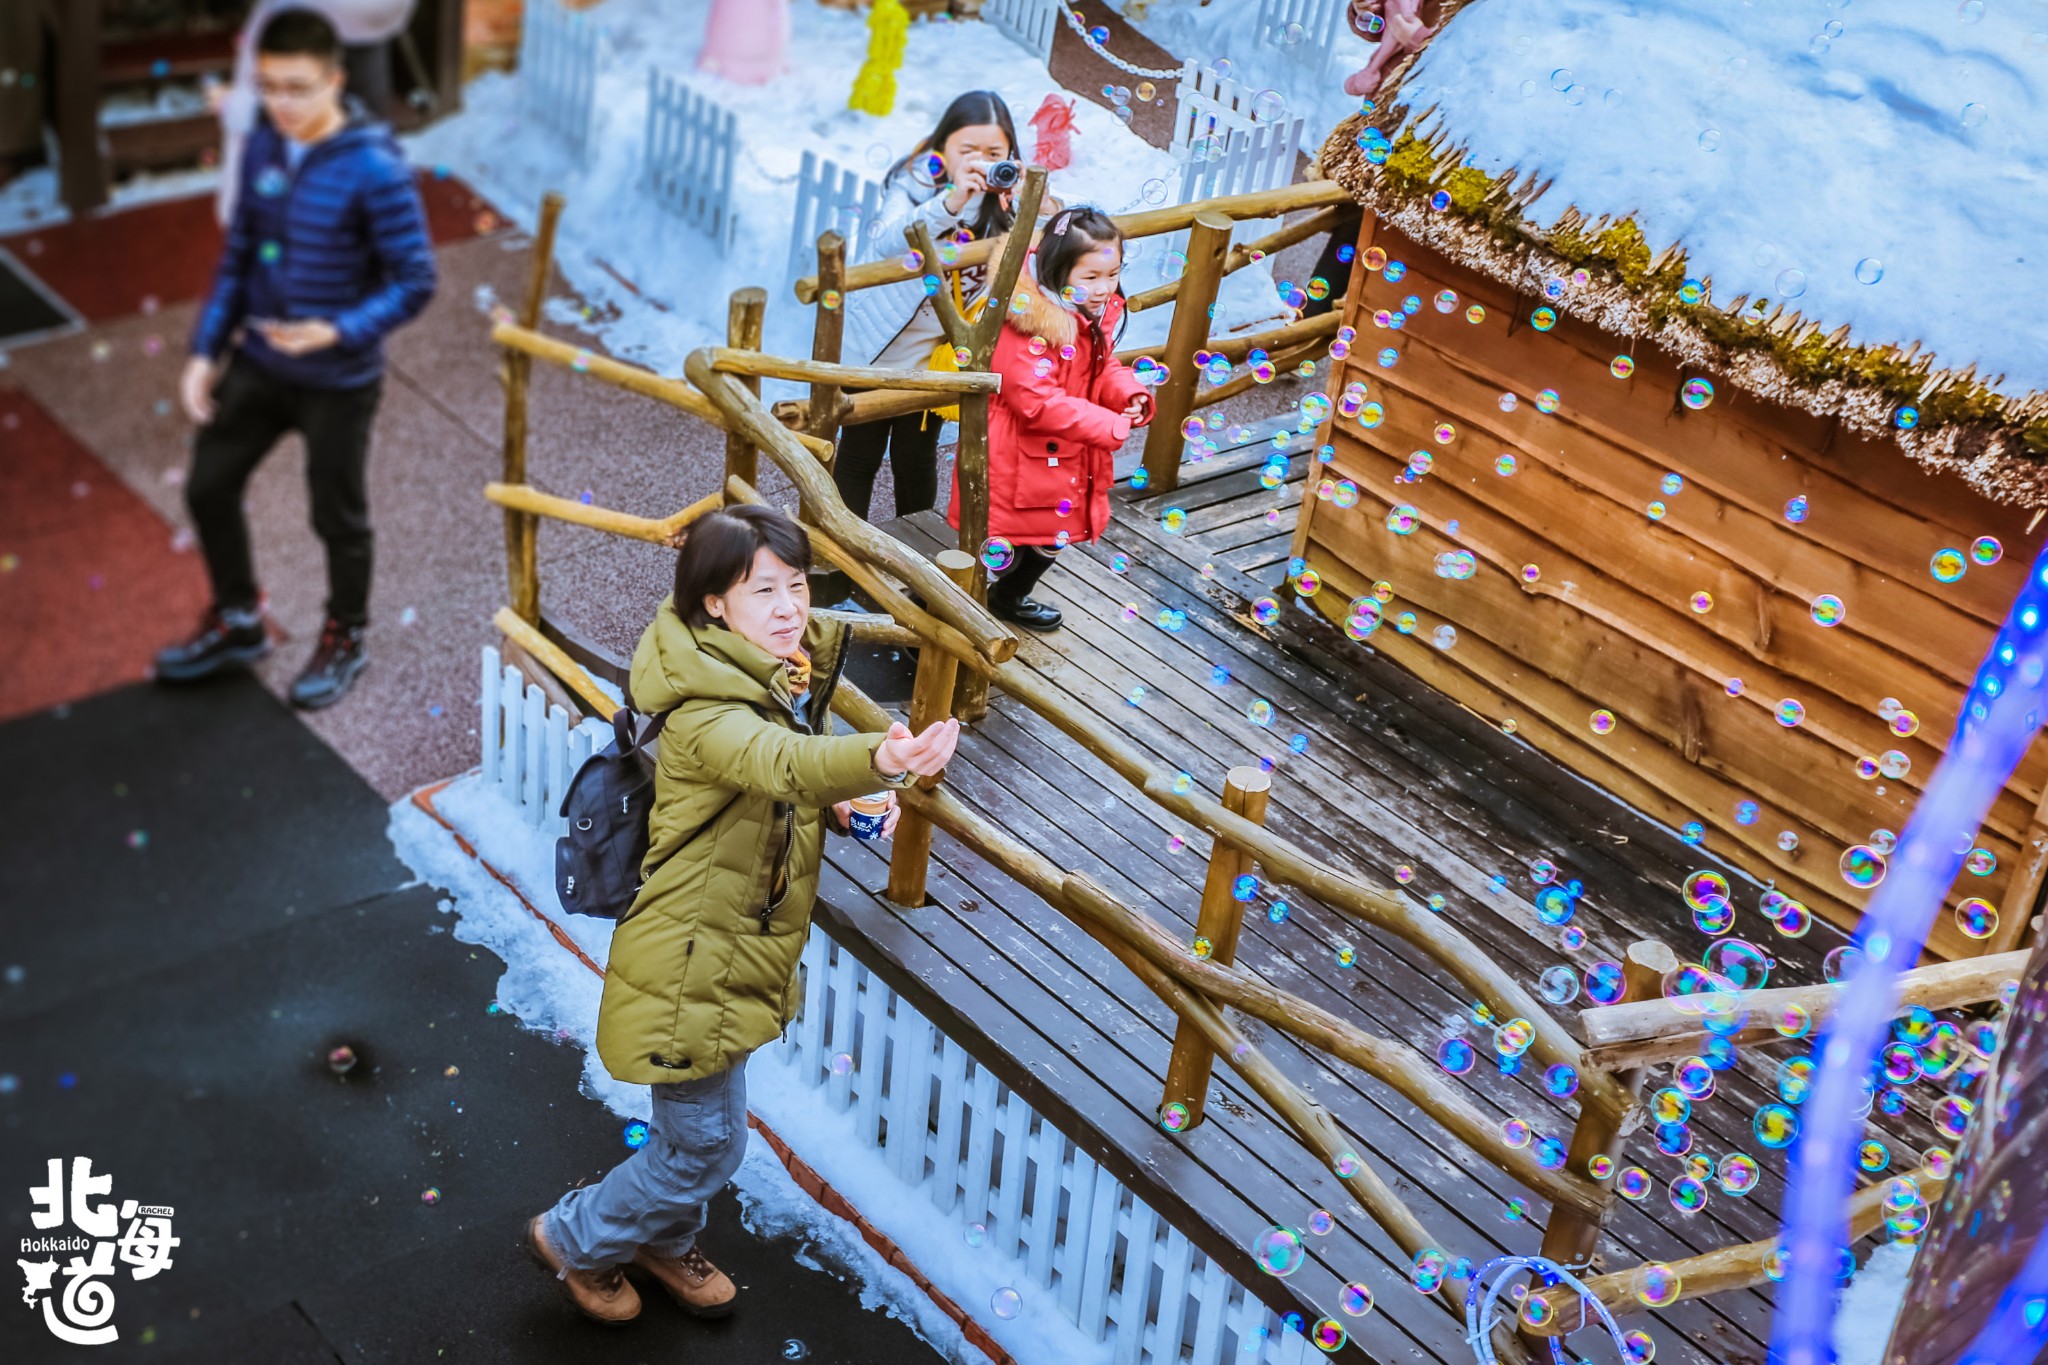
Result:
pixel 703 967
pixel 949 183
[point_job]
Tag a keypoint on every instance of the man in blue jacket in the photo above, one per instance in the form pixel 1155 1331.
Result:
pixel 327 252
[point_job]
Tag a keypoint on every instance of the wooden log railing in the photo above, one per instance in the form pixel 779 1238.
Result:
pixel 521 528
pixel 1244 253
pixel 1559 1310
pixel 1644 1032
pixel 1309 194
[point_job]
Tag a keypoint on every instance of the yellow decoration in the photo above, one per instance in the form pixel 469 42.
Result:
pixel 874 89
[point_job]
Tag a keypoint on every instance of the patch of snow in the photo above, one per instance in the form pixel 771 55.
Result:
pixel 33 200
pixel 548 990
pixel 1869 1306
pixel 612 232
pixel 1794 150
pixel 1228 30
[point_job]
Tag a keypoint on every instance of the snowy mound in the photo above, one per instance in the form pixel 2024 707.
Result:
pixel 1876 164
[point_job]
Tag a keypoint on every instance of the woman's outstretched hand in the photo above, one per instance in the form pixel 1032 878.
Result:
pixel 925 754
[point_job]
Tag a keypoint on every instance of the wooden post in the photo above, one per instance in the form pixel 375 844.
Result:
pixel 1298 549
pixel 2023 893
pixel 1570 1236
pixel 823 417
pixel 1222 916
pixel 522 529
pixel 931 701
pixel 743 332
pixel 81 150
pixel 1208 246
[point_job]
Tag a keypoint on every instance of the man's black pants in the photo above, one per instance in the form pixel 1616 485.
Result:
pixel 252 412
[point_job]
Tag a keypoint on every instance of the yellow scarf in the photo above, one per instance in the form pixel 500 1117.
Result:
pixel 797 668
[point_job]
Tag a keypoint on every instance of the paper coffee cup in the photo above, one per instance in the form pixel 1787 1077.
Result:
pixel 869 813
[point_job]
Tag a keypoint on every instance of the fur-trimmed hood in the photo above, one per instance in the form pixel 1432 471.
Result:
pixel 1048 316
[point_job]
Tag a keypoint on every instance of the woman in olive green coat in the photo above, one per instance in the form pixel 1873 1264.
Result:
pixel 703 966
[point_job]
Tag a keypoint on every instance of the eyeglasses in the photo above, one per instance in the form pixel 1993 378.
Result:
pixel 290 90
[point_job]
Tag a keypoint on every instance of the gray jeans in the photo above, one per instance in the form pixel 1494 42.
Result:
pixel 660 1196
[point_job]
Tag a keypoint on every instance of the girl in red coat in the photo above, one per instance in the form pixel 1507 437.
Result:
pixel 1066 405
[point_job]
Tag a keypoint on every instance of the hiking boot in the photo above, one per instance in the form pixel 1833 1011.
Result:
pixel 606 1296
pixel 697 1286
pixel 336 661
pixel 228 637
pixel 1027 612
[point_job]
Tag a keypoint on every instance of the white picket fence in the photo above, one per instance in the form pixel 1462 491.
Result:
pixel 945 1125
pixel 1305 31
pixel 1257 158
pixel 1029 23
pixel 558 70
pixel 831 197
pixel 688 156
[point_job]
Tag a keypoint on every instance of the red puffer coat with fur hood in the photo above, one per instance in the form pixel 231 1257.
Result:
pixel 1055 426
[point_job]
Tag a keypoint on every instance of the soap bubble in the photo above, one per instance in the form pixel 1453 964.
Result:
pixel 1869 270
pixel 1828 610
pixel 1697 393
pixel 1602 722
pixel 998 554
pixel 1775 1126
pixel 1456 1056
pixel 1403 519
pixel 1657 1285
pixel 1976 917
pixel 1790 712
pixel 1260 712
pixel 1428 1270
pixel 1560 985
pixel 1622 366
pixel 1633 1183
pixel 1986 550
pixel 1006 1303
pixel 1355 1299
pixel 1947 565
pixel 1279 1251
pixel 1862 866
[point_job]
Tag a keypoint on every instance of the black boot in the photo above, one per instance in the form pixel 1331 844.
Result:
pixel 1021 610
pixel 227 638
pixel 336 661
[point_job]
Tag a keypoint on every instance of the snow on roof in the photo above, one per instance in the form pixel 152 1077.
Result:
pixel 1875 163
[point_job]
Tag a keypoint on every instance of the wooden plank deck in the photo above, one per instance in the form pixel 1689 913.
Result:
pixel 1389 775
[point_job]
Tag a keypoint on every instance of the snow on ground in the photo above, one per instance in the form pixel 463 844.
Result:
pixel 1795 150
pixel 611 228
pixel 548 990
pixel 1868 1307
pixel 1293 66
pixel 32 200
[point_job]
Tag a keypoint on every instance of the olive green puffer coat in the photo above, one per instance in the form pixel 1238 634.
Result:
pixel 703 966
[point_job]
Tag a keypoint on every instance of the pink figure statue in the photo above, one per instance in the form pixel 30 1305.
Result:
pixel 744 40
pixel 1053 147
pixel 1399 27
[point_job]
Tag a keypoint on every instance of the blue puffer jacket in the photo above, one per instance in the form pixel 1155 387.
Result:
pixel 345 239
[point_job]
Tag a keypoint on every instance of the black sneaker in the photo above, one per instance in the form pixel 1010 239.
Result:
pixel 336 661
pixel 227 638
pixel 1027 612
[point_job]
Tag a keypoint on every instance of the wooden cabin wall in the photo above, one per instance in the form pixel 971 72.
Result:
pixel 1608 623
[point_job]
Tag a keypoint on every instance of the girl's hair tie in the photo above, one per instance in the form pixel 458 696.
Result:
pixel 1059 226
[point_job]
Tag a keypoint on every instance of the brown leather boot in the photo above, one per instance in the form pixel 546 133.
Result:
pixel 697 1285
pixel 604 1295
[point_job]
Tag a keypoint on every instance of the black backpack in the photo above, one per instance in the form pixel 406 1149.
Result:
pixel 597 863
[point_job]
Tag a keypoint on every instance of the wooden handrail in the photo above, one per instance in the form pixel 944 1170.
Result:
pixel 1039 874
pixel 1237 348
pixel 557 661
pixel 728 361
pixel 1712 1272
pixel 1642 1032
pixel 632 378
pixel 1308 194
pixel 1243 254
pixel 662 531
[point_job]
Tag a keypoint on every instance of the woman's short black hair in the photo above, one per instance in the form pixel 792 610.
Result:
pixel 720 550
pixel 300 33
pixel 970 110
